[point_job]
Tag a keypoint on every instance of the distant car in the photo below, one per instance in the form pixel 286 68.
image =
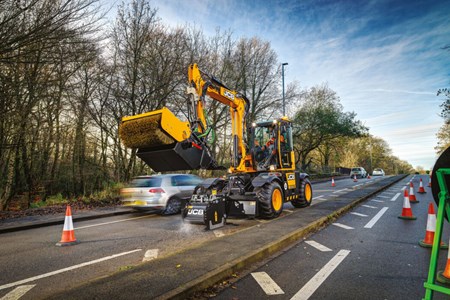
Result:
pixel 165 193
pixel 359 172
pixel 378 172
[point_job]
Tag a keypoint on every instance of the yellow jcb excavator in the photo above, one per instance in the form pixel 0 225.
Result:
pixel 262 175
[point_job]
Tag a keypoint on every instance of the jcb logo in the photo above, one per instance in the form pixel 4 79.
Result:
pixel 291 180
pixel 195 211
pixel 228 94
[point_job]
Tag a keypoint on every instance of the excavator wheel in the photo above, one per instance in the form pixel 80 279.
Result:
pixel 305 194
pixel 270 199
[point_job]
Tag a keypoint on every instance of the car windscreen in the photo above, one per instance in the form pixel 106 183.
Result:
pixel 146 182
pixel 356 170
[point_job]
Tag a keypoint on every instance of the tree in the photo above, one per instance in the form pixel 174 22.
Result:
pixel 319 121
pixel 443 137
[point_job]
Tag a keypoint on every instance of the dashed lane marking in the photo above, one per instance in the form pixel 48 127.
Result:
pixel 314 283
pixel 18 292
pixel 395 197
pixel 288 210
pixel 379 201
pixel 269 286
pixel 376 218
pixel 219 233
pixel 342 226
pixel 5 286
pixel 358 214
pixel 403 188
pixel 369 206
pixel 318 246
pixel 340 191
pixel 381 196
pixel 150 254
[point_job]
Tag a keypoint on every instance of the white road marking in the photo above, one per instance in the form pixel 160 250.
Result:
pixel 358 214
pixel 379 201
pixel 269 286
pixel 112 222
pixel 5 286
pixel 314 198
pixel 395 197
pixel 150 254
pixel 288 210
pixel 314 283
pixel 376 217
pixel 381 196
pixel 18 292
pixel 318 246
pixel 368 206
pixel 219 233
pixel 342 226
pixel 340 191
pixel 403 188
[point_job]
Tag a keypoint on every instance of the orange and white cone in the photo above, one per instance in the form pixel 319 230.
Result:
pixel 421 189
pixel 68 234
pixel 354 178
pixel 368 176
pixel 412 197
pixel 406 211
pixel 444 276
pixel 429 182
pixel 332 182
pixel 427 242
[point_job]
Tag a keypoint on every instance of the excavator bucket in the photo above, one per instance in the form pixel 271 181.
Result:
pixel 163 141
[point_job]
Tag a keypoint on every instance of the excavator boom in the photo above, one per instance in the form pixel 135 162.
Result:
pixel 166 143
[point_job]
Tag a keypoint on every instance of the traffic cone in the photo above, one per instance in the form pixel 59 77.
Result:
pixel 421 189
pixel 406 211
pixel 412 197
pixel 354 179
pixel 368 176
pixel 431 229
pixel 68 234
pixel 332 182
pixel 444 276
pixel 429 182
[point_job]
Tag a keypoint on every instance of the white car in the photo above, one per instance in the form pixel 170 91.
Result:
pixel 358 172
pixel 378 172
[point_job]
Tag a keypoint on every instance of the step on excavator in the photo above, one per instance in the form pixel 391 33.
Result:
pixel 262 175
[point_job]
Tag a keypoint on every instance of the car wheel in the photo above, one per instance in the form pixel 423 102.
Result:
pixel 173 206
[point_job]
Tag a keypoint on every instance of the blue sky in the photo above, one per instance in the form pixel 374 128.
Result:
pixel 383 58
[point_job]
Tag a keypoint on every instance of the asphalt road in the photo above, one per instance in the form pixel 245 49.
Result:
pixel 108 245
pixel 368 253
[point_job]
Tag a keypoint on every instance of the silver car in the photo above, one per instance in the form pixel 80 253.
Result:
pixel 165 193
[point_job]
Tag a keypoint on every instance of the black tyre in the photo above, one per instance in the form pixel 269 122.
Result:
pixel 173 206
pixel 306 194
pixel 270 200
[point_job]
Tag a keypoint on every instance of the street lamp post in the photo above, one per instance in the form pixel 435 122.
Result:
pixel 282 76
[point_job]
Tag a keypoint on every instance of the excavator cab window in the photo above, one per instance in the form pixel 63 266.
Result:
pixel 286 144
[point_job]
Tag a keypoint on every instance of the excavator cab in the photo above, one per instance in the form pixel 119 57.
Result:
pixel 272 145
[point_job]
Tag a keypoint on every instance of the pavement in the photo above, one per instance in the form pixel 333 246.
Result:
pixel 29 222
pixel 178 275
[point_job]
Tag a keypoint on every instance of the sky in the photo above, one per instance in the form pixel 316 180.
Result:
pixel 383 58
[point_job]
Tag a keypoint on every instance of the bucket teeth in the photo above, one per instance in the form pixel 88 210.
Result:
pixel 144 132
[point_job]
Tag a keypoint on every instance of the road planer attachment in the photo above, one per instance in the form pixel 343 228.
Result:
pixel 209 211
pixel 164 142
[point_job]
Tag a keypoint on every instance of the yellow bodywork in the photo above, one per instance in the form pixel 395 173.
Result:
pixel 155 128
